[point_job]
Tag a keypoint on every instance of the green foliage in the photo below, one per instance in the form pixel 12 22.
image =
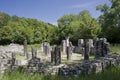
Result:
pixel 110 21
pixel 78 26
pixel 17 29
pixel 4 19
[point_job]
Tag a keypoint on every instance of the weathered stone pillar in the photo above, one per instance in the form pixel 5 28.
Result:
pixel 91 47
pixel 34 52
pixel 87 49
pixel 57 56
pixel 69 53
pixel 53 54
pixel 13 59
pixel 64 46
pixel 67 41
pixel 25 49
pixel 80 46
pixel 105 47
pixel 46 48
pixel 96 46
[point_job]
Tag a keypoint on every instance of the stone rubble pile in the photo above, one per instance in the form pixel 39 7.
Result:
pixel 97 47
pixel 88 67
pixel 12 48
pixel 35 65
pixel 6 61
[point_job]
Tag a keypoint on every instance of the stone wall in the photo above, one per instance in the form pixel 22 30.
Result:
pixel 7 57
pixel 85 67
pixel 5 62
pixel 36 65
pixel 88 67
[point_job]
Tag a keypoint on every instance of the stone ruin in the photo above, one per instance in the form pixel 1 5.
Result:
pixel 67 47
pixel 85 67
pixel 88 67
pixel 96 47
pixel 45 48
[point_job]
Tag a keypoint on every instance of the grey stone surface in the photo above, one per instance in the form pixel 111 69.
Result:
pixel 25 49
pixel 53 54
pixel 63 46
pixel 34 52
pixel 69 53
pixel 46 48
pixel 57 53
pixel 102 47
pixel 87 49
pixel 89 67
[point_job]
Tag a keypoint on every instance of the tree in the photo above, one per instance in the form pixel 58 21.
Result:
pixel 4 19
pixel 110 20
pixel 78 26
pixel 6 35
pixel 17 29
pixel 89 27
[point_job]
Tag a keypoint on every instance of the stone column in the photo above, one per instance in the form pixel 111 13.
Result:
pixel 34 52
pixel 13 59
pixel 57 55
pixel 105 47
pixel 67 41
pixel 46 48
pixel 64 46
pixel 25 49
pixel 96 46
pixel 91 47
pixel 87 49
pixel 69 53
pixel 80 46
pixel 53 54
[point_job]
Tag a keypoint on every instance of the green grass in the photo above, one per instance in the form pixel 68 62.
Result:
pixel 115 48
pixel 20 57
pixel 37 46
pixel 110 74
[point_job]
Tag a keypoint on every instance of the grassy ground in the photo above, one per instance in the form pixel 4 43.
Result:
pixel 110 74
pixel 115 48
pixel 75 57
pixel 37 46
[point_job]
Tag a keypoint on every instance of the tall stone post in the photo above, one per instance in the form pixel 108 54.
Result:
pixel 96 47
pixel 34 52
pixel 46 48
pixel 57 55
pixel 64 46
pixel 105 47
pixel 25 49
pixel 69 53
pixel 80 46
pixel 13 59
pixel 67 41
pixel 53 54
pixel 87 49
